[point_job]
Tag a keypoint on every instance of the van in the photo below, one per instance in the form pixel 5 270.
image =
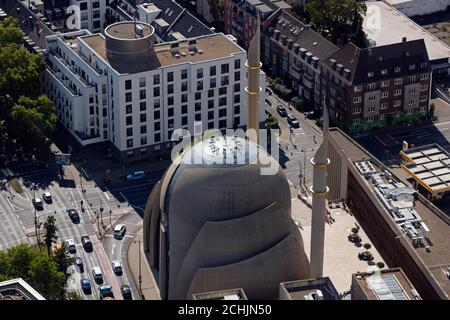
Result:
pixel 119 230
pixel 97 274
pixel 71 246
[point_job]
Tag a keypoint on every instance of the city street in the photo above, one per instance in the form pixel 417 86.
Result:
pixel 298 147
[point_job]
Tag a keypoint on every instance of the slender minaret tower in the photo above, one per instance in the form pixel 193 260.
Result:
pixel 253 90
pixel 319 191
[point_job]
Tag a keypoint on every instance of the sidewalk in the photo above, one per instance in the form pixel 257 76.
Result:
pixel 150 290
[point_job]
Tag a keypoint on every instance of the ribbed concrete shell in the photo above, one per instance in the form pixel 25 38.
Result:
pixel 225 227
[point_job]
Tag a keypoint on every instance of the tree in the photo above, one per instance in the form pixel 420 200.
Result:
pixel 10 32
pixel 33 122
pixel 339 18
pixel 50 233
pixel 62 259
pixel 27 262
pixel 297 102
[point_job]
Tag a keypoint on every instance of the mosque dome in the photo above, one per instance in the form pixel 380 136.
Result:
pixel 216 222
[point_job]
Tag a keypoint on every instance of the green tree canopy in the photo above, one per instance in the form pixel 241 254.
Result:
pixel 9 32
pixel 33 121
pixel 50 232
pixel 27 262
pixel 337 17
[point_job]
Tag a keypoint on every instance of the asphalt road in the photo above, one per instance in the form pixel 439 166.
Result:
pixel 297 148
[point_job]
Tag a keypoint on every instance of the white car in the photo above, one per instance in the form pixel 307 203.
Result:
pixel 117 267
pixel 71 246
pixel 38 203
pixel 47 196
pixel 119 230
pixel 97 274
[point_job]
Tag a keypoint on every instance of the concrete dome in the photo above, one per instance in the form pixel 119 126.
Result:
pixel 225 224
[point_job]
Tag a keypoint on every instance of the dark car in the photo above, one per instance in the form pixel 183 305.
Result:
pixel 79 264
pixel 73 215
pixel 126 292
pixel 281 110
pixel 86 285
pixel 312 114
pixel 87 243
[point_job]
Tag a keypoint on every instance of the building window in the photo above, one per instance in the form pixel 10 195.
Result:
pixel 384 71
pixel 198 117
pixel 143 141
pixel 224 81
pixel 210 115
pixel 129 120
pixel 142 94
pixel 128 108
pixel 371 109
pixel 222 124
pixel 170 124
pixel 183 74
pixel 129 132
pixel 372 98
pixel 198 96
pixel 210 93
pixel 143 129
pixel 142 82
pixel 184 98
pixel 382 116
pixel 157 126
pixel 385 94
pixel 397 92
pixel 370 119
pixel 143 117
pixel 184 120
pixel 411 79
pixel 222 91
pixel 357 120
pixel 156 79
pixel 237 64
pixel 222 112
pixel 370 74
pixel 212 71
pixel 156 115
pixel 142 106
pixel 397 69
pixel 170 112
pixel 385 83
pixel 156 91
pixel 127 84
pixel 212 83
pixel 423 98
pixel 170 76
pixel 397 103
pixel 170 101
pixel 184 86
pixel 237 87
pixel 423 109
pixel 424 87
pixel 128 97
pixel 198 106
pixel 358 88
pixel 184 109
pixel 199 85
pixel 237 76
pixel 412 90
pixel 224 68
pixel 424 76
pixel 237 98
pixel 398 81
pixel 211 125
pixel 423 65
pixel 210 104
pixel 199 73
pixel 130 143
pixel 357 99
pixel 371 86
pixel 222 101
pixel 412 67
pixel 170 89
pixel 157 138
pixel 384 105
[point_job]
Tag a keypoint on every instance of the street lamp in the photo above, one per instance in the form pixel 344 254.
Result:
pixel 140 271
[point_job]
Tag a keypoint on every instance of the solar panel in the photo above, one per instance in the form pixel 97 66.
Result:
pixel 387 287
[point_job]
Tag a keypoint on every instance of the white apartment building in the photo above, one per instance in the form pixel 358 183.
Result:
pixel 93 13
pixel 122 89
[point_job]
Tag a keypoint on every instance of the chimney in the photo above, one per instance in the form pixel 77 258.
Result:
pixel 404 39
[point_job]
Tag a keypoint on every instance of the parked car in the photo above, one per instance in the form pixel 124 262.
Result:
pixel 71 246
pixel 86 285
pixel 293 122
pixel 312 114
pixel 117 267
pixel 38 204
pixel 79 264
pixel 73 215
pixel 126 292
pixel 87 243
pixel 136 175
pixel 47 197
pixel 281 110
pixel 97 274
pixel 119 231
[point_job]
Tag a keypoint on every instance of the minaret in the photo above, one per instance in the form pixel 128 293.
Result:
pixel 319 191
pixel 254 90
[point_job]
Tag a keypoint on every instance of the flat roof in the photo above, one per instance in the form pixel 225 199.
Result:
pixel 394 26
pixel 430 166
pixel 386 284
pixel 228 294
pixel 437 259
pixel 304 289
pixel 18 289
pixel 210 47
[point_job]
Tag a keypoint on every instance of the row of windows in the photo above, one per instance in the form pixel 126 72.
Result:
pixel 397 69
pixel 386 83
